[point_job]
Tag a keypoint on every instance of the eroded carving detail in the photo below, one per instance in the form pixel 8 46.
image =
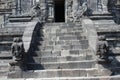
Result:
pixel 102 48
pixel 18 53
pixel 75 10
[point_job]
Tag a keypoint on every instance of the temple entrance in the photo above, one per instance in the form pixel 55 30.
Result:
pixel 59 14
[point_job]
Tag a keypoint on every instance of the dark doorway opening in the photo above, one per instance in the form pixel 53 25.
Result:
pixel 59 10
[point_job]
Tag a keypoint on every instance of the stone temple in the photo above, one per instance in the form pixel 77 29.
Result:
pixel 59 40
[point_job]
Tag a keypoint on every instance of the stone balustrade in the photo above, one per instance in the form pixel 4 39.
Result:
pixel 29 34
pixel 90 32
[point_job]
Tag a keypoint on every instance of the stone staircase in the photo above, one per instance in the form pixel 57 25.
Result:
pixel 61 50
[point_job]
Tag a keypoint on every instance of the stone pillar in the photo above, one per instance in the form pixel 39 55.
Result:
pixel 105 6
pixel 75 6
pixel 50 10
pixel 18 7
pixel 68 11
pixel 14 7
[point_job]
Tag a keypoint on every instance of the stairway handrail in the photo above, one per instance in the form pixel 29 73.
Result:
pixel 91 33
pixel 28 35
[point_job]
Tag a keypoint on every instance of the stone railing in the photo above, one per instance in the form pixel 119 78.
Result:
pixel 91 33
pixel 30 34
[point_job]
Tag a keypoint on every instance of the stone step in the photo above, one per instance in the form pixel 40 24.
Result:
pixel 63 65
pixel 59 24
pixel 5 47
pixel 63 37
pixel 73 78
pixel 8 29
pixel 14 25
pixel 102 14
pixel 5 60
pixel 51 41
pixel 75 38
pixel 60 42
pixel 58 34
pixel 62 26
pixel 5 33
pixel 3 73
pixel 65 33
pixel 20 26
pixel 104 22
pixel 101 17
pixel 72 38
pixel 5 55
pixel 63 42
pixel 60 53
pixel 63 47
pixel 63 30
pixel 11 33
pixel 115 52
pixel 63 58
pixel 4 66
pixel 6 42
pixel 5 38
pixel 20 16
pixel 4 78
pixel 60 73
pixel 20 19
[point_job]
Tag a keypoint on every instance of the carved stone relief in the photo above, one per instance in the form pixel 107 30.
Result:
pixel 69 10
pixel 74 10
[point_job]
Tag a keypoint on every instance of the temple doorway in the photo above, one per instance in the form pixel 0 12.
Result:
pixel 59 7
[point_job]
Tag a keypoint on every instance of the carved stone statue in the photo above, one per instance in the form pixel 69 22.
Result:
pixel 37 10
pixel 102 48
pixel 78 10
pixel 17 49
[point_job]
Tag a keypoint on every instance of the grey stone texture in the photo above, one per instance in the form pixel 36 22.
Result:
pixel 61 55
pixel 62 51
